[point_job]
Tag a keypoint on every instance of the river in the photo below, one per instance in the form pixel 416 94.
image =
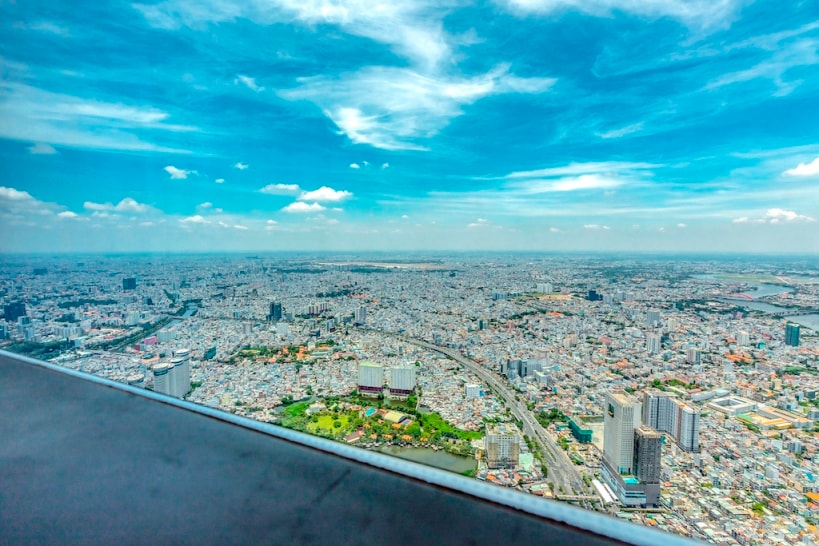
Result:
pixel 760 290
pixel 439 459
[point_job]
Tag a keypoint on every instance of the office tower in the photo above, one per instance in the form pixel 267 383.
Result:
pixel 162 378
pixel 671 324
pixel 692 356
pixel 621 417
pixel 544 288
pixel 4 331
pixel 743 338
pixel 275 312
pixel 370 378
pixel 653 318
pixel 472 390
pixel 792 334
pixel 402 381
pixel 129 283
pixel 593 296
pixel 13 311
pixel 660 410
pixel 647 455
pixel 502 445
pixel 653 343
pixel 361 315
pixel 687 428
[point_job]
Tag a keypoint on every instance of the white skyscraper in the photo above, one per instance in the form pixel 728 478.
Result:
pixel 370 378
pixel 743 338
pixel 653 343
pixel 620 418
pixel 660 411
pixel 361 315
pixel 687 431
pixel 402 380
pixel 162 378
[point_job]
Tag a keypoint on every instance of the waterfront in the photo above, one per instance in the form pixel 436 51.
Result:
pixel 439 459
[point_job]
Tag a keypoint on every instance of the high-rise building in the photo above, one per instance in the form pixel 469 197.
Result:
pixel 792 334
pixel 653 318
pixel 653 343
pixel 129 283
pixel 687 428
pixel 13 311
pixel 621 417
pixel 502 445
pixel 473 390
pixel 402 381
pixel 361 315
pixel 370 378
pixel 743 338
pixel 275 312
pixel 692 356
pixel 544 288
pixel 647 455
pixel 660 410
pixel 162 378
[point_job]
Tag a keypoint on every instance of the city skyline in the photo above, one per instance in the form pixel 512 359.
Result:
pixel 539 125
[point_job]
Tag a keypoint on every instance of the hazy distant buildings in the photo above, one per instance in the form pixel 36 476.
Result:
pixel 502 445
pixel 13 311
pixel 129 283
pixel 361 315
pixel 792 334
pixel 653 318
pixel 275 314
pixel 370 378
pixel 653 343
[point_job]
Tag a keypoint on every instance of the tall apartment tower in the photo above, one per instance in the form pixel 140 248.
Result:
pixel 502 446
pixel 792 334
pixel 129 283
pixel 361 315
pixel 370 378
pixel 402 381
pixel 659 411
pixel 162 379
pixel 647 455
pixel 275 312
pixel 687 428
pixel 653 343
pixel 621 417
pixel 181 372
pixel 653 318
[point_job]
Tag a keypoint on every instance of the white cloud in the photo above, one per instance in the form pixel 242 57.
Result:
pixel 355 166
pixel 241 166
pixel 220 180
pixel 195 219
pixel 699 13
pixel 479 223
pixel 554 230
pixel 67 214
pixel 128 204
pixel 596 227
pixel 34 115
pixel 622 131
pixel 248 82
pixel 392 108
pixel 385 165
pixel 178 174
pixel 280 189
pixel 301 207
pixel 240 227
pixel 405 217
pixel 41 148
pixel 682 226
pixel 776 216
pixel 804 169
pixel 574 169
pixel 14 195
pixel 325 194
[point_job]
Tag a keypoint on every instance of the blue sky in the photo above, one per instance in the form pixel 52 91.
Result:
pixel 207 125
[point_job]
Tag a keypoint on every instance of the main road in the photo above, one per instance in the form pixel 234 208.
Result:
pixel 562 471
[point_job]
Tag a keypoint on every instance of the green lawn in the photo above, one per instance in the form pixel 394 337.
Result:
pixel 325 422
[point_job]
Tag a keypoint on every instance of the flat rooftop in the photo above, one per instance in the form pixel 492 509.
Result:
pixel 84 460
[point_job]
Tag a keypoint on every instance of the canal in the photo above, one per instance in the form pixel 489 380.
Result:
pixel 439 459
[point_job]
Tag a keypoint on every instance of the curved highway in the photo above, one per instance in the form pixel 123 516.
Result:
pixel 562 472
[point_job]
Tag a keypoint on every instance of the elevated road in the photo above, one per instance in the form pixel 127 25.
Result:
pixel 562 472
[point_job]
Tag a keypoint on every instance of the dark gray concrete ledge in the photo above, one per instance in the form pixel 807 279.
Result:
pixel 84 460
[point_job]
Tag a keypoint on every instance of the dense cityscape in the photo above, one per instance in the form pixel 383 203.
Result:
pixel 678 392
